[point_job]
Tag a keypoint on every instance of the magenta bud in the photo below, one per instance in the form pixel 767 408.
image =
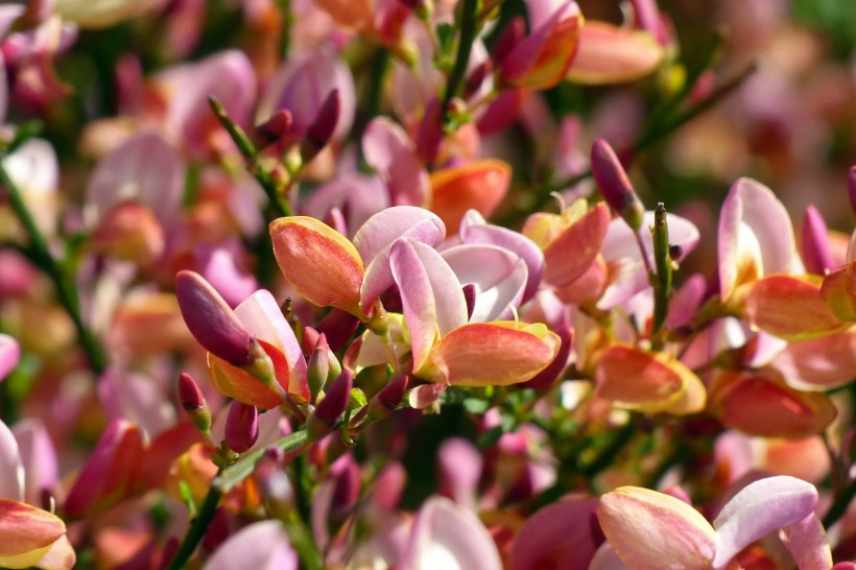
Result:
pixel 322 128
pixel 511 35
pixel 278 128
pixel 470 297
pixel 242 426
pixel 346 474
pixel 430 133
pixel 333 405
pixel 614 185
pixel 338 327
pixel 168 553
pixel 193 402
pixel 211 321
pixel 310 340
pixel 851 187
pixel 476 78
pixel 816 252
pixel 393 393
pixel 218 531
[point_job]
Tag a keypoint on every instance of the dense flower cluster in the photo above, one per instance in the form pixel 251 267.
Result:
pixel 296 294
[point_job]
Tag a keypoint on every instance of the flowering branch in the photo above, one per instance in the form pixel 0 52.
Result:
pixel 39 253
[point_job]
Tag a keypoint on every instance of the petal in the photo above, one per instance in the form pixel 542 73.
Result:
pixel 839 292
pixel 474 230
pixel 263 318
pixel 499 276
pixel 375 238
pixel 606 559
pixel 110 472
pixel 163 450
pixel 11 466
pixel 360 196
pixel 479 185
pixel 573 251
pixel 493 354
pixel 822 363
pixel 263 545
pixel 650 382
pixel 460 467
pixel 38 458
pixel 388 149
pixel 588 287
pixel 445 535
pixel 806 541
pixel 790 307
pixel 320 262
pixel 612 54
pixel 761 404
pixel 10 355
pixel 647 528
pixel 60 556
pixel 26 533
pixel 561 535
pixel 751 208
pixel 760 508
pixel 542 59
pixel 686 301
pixel 240 385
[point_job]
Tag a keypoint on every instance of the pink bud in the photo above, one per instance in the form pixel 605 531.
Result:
pixel 346 474
pixel 512 35
pixel 334 403
pixel 470 297
pixel 476 78
pixel 211 321
pixel 393 393
pixel 189 393
pixel 614 184
pixel 851 186
pixel 323 126
pixel 242 427
pixel 816 252
pixel 279 128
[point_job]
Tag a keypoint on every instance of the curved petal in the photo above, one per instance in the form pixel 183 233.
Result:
pixel 10 355
pixel 822 363
pixel 560 535
pixel 26 533
pixel 479 185
pixel 320 262
pixel 263 545
pixel 388 149
pixel 760 508
pixel 647 528
pixel 11 467
pixel 573 251
pixel 612 54
pixel 445 535
pixel 807 543
pixel 499 276
pixel 790 307
pixel 360 196
pixel 38 458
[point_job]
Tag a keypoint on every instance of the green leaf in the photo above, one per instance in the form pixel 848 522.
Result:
pixel 245 466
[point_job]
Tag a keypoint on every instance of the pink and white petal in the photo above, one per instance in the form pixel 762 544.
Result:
pixel 807 543
pixel 263 545
pixel 760 508
pixel 460 468
pixel 10 355
pixel 379 231
pixel 619 242
pixel 361 196
pixel 819 364
pixel 447 536
pixel 38 457
pixel 752 207
pixel 450 301
pixel 390 151
pixel 686 300
pixel 606 559
pixel 12 477
pixel 60 556
pixel 499 276
pixel 560 535
pixel 417 299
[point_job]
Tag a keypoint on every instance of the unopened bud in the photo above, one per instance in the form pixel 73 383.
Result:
pixel 851 187
pixel 511 35
pixel 476 78
pixel 279 128
pixel 211 321
pixel 372 379
pixel 333 405
pixel 242 427
pixel 322 128
pixel 129 231
pixel 816 252
pixel 614 185
pixel 470 294
pixel 388 399
pixel 193 402
pixel 317 371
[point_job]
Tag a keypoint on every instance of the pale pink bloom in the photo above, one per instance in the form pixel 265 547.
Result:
pixel 263 545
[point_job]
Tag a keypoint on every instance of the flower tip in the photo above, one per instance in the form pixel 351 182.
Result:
pixel 277 127
pixel 323 126
pixel 189 393
pixel 851 186
pixel 334 403
pixel 816 250
pixel 242 426
pixel 614 185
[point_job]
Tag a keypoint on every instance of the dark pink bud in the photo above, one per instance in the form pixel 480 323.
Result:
pixel 476 78
pixel 242 426
pixel 218 531
pixel 389 486
pixel 816 252
pixel 189 393
pixel 338 326
pixel 346 473
pixel 277 128
pixel 393 393
pixel 430 133
pixel 614 185
pixel 333 405
pixel 211 321
pixel 470 297
pixel 512 35
pixel 322 128
pixel 851 187
pixel 168 552
pixel 311 340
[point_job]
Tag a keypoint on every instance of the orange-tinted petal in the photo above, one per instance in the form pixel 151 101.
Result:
pixel 26 533
pixel 588 287
pixel 613 54
pixel 649 382
pixel 320 262
pixel 570 254
pixel 492 354
pixel 479 185
pixel 542 60
pixel 790 307
pixel 762 404
pixel 839 292
pixel 648 529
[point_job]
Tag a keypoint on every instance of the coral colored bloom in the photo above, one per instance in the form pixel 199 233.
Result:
pixel 611 54
pixel 479 185
pixel 28 535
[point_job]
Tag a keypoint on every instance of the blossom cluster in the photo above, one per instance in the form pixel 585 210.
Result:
pixel 356 284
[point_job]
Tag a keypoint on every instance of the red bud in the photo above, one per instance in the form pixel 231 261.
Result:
pixel 242 426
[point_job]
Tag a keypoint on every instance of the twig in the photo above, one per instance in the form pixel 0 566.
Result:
pixel 469 25
pixel 663 279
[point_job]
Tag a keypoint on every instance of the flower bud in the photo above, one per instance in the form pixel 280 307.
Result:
pixel 388 399
pixel 372 379
pixel 851 187
pixel 242 427
pixel 193 402
pixel 334 403
pixel 319 367
pixel 278 129
pixel 322 128
pixel 816 252
pixel 28 533
pixel 211 321
pixel 476 78
pixel 129 231
pixel 614 185
pixel 511 35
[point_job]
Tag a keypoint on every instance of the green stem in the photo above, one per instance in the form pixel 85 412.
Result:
pixel 251 158
pixel 663 282
pixel 67 294
pixel 469 28
pixel 197 529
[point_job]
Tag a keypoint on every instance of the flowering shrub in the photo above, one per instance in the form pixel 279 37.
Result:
pixel 399 284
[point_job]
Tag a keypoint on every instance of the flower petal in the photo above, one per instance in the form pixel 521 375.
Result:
pixel 760 508
pixel 38 458
pixel 612 54
pixel 790 307
pixel 263 545
pixel 499 277
pixel 573 251
pixel 807 543
pixel 10 355
pixel 11 466
pixel 560 535
pixel 388 149
pixel 26 533
pixel 320 262
pixel 479 185
pixel 647 528
pixel 821 363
